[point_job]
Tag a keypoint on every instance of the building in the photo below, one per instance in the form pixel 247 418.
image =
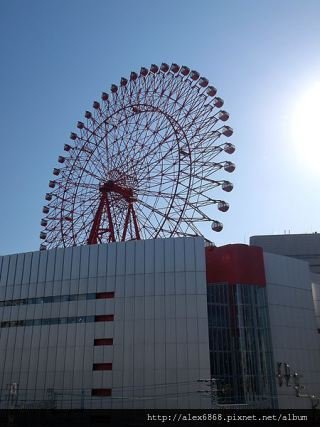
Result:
pixel 293 264
pixel 165 323
pixel 112 326
pixel 300 246
pixel 305 247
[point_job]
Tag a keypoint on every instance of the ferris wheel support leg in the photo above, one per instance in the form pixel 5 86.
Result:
pixel 93 236
pixel 95 233
pixel 135 222
pixel 126 223
pixel 111 228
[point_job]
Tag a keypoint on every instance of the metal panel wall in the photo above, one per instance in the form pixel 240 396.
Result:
pixel 295 338
pixel 160 328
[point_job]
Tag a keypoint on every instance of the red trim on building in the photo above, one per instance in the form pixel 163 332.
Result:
pixel 104 295
pixel 104 318
pixel 235 264
pixel 101 392
pixel 103 341
pixel 102 367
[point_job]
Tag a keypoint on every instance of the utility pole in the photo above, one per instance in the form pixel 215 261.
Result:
pixel 12 395
pixel 286 375
pixel 212 384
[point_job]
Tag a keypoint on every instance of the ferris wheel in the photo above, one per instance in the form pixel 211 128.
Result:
pixel 142 164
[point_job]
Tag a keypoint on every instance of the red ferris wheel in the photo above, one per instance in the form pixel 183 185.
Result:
pixel 143 163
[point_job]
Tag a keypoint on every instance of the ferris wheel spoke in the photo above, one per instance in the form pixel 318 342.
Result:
pixel 153 135
pixel 88 152
pixel 160 194
pixel 87 207
pixel 170 221
pixel 156 161
pixel 194 228
pixel 145 221
pixel 149 157
pixel 96 159
pixel 153 209
pixel 203 203
pixel 159 138
pixel 83 170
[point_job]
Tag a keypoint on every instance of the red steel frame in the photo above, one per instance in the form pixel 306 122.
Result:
pixel 96 230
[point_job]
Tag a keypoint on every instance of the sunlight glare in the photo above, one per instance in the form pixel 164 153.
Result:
pixel 305 120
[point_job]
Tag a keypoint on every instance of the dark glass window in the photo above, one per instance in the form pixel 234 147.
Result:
pixel 101 392
pixel 238 338
pixel 59 320
pixel 104 295
pixel 102 367
pixel 103 341
pixel 104 318
pixel 56 298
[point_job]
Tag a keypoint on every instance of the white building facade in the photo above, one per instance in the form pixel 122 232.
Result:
pixel 148 324
pixel 105 326
pixel 292 264
pixel 293 326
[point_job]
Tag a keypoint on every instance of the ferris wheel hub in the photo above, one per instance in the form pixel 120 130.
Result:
pixel 112 187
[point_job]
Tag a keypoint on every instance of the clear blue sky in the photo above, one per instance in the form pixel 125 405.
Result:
pixel 57 56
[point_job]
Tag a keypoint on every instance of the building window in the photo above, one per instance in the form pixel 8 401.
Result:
pixel 102 367
pixel 56 321
pixel 56 299
pixel 103 341
pixel 104 295
pixel 239 343
pixel 104 318
pixel 101 392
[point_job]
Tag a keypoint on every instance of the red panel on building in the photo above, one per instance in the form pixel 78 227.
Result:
pixel 235 264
